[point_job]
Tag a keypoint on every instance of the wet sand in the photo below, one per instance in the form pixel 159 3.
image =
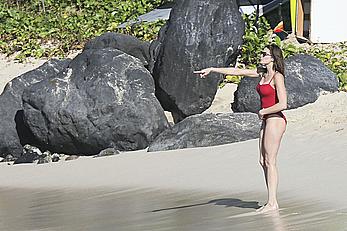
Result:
pixel 131 209
pixel 213 188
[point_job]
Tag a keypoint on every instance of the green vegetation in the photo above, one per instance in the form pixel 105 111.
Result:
pixel 46 28
pixel 254 40
pixel 334 56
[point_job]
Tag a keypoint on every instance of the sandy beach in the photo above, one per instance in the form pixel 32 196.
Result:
pixel 211 188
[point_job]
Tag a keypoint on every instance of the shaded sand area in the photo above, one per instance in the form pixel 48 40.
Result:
pixel 211 188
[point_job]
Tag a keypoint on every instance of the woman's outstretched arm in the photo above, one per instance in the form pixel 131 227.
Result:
pixel 228 71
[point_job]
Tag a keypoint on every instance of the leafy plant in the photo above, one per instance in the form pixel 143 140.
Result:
pixel 255 39
pixel 257 36
pixel 144 31
pixel 29 30
pixel 46 28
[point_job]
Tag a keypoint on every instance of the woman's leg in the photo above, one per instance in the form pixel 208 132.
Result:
pixel 262 150
pixel 275 128
pixel 262 154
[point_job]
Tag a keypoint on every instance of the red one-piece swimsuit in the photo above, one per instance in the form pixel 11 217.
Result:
pixel 268 98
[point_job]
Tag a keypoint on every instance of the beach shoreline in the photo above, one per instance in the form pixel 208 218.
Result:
pixel 312 166
pixel 138 188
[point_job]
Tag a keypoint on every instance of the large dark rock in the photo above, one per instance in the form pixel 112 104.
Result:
pixel 126 43
pixel 208 130
pixel 199 34
pixel 306 78
pixel 13 133
pixel 246 98
pixel 155 46
pixel 104 99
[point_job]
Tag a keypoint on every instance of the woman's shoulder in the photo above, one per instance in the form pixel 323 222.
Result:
pixel 278 75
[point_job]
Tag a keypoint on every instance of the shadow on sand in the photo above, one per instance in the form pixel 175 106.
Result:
pixel 227 202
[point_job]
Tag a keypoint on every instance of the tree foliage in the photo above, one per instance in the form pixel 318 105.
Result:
pixel 46 28
pixel 334 56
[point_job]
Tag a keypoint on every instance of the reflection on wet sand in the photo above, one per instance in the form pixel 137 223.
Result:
pixel 277 220
pixel 147 209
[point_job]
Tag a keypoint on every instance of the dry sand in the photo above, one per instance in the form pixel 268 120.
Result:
pixel 10 69
pixel 312 165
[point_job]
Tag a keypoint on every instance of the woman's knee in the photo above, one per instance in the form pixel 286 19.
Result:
pixel 270 162
pixel 262 163
pixel 262 159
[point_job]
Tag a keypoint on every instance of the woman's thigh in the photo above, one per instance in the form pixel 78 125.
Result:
pixel 261 143
pixel 274 130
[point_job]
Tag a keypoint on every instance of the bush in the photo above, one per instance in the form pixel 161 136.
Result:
pixel 54 27
pixel 34 29
pixel 334 56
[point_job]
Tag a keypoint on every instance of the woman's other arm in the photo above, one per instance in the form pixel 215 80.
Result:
pixel 281 94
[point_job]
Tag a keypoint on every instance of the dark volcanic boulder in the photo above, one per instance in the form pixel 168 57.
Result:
pixel 246 98
pixel 208 130
pixel 104 99
pixel 306 77
pixel 155 46
pixel 199 34
pixel 13 133
pixel 126 43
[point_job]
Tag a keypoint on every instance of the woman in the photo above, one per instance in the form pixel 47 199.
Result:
pixel 273 98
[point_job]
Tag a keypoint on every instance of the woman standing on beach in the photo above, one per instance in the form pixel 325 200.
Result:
pixel 273 98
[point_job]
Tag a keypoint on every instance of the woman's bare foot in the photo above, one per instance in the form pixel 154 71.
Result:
pixel 260 208
pixel 268 208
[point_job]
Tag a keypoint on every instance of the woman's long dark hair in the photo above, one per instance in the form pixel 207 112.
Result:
pixel 277 55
